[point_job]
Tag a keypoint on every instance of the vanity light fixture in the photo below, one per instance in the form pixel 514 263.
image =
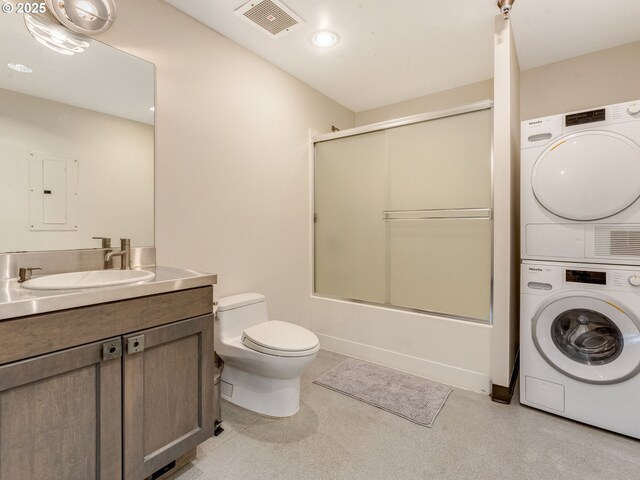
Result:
pixel 324 39
pixel 84 16
pixel 18 67
pixel 54 36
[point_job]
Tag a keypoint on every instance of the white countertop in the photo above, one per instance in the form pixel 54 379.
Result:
pixel 16 301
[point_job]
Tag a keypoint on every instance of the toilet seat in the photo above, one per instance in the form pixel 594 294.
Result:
pixel 281 339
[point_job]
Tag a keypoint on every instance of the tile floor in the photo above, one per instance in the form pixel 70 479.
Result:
pixel 336 437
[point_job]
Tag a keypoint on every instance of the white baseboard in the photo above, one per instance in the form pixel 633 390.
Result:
pixel 456 377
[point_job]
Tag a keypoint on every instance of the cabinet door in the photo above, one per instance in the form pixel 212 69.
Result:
pixel 60 415
pixel 168 394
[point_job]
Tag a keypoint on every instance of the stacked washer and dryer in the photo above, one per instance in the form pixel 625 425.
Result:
pixel 580 277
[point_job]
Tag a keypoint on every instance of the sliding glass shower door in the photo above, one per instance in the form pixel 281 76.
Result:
pixel 403 216
pixel 350 236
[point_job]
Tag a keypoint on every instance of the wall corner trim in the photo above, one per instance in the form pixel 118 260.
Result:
pixel 502 394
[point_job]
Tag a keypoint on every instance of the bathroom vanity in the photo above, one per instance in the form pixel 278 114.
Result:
pixel 105 383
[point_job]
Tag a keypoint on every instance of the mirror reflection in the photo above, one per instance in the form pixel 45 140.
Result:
pixel 76 144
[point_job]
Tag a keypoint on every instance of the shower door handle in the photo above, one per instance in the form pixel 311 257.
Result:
pixel 439 214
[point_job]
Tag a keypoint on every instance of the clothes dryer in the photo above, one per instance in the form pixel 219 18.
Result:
pixel 580 186
pixel 580 343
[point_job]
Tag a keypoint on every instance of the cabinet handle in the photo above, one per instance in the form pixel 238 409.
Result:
pixel 135 344
pixel 111 350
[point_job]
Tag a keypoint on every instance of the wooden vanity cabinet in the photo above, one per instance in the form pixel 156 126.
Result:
pixel 121 406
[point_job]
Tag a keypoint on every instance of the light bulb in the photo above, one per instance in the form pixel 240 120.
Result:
pixel 324 39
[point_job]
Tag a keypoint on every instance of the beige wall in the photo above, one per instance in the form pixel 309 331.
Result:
pixel 232 167
pixel 600 78
pixel 115 172
pixel 445 100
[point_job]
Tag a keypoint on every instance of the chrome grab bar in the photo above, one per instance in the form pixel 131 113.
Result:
pixel 439 214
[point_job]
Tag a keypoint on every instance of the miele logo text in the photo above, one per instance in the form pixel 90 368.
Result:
pixel 535 123
pixel 535 269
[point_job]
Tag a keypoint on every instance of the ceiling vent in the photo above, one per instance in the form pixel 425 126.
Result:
pixel 271 17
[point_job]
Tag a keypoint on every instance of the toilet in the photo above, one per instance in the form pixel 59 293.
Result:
pixel 263 359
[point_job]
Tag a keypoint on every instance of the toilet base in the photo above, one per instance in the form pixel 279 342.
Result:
pixel 274 397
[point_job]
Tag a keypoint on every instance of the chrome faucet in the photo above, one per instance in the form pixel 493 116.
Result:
pixel 124 253
pixel 106 245
pixel 106 241
pixel 24 273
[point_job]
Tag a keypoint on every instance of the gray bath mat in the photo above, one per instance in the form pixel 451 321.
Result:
pixel 414 398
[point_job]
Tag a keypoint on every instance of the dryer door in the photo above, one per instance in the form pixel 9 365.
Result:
pixel 588 175
pixel 588 337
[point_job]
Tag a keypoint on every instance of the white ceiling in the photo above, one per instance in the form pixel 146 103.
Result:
pixel 394 50
pixel 101 78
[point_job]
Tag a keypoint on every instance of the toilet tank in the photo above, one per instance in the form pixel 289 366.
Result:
pixel 237 312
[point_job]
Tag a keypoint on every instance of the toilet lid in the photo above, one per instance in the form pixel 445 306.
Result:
pixel 280 338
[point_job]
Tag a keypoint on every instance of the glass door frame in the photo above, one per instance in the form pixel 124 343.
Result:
pixel 385 125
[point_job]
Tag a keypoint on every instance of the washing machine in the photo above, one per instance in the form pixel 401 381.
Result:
pixel 580 343
pixel 580 186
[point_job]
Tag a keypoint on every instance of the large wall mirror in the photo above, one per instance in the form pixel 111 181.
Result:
pixel 76 144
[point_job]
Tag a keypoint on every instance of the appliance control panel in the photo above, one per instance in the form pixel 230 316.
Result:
pixel 543 279
pixel 540 131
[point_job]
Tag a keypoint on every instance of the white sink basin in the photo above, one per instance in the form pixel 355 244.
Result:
pixel 90 279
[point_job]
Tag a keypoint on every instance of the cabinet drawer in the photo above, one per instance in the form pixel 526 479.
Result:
pixel 37 334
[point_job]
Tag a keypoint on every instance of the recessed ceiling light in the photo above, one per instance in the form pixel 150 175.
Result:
pixel 18 67
pixel 324 39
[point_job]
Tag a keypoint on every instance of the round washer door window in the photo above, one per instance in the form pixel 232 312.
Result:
pixel 588 337
pixel 588 175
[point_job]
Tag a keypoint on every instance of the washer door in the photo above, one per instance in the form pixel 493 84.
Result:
pixel 588 337
pixel 588 175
